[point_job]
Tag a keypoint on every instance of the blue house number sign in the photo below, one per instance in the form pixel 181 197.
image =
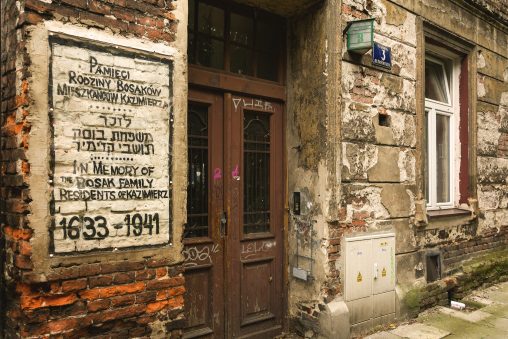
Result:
pixel 381 55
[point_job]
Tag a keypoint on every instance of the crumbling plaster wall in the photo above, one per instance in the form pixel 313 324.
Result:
pixel 379 126
pixel 379 161
pixel 382 166
pixel 313 148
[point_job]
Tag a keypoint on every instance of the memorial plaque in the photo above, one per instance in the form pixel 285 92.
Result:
pixel 111 136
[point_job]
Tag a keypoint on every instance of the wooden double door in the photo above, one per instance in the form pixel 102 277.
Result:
pixel 234 236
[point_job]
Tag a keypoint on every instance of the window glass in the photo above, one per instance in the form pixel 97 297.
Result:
pixel 443 157
pixel 211 20
pixel 436 87
pixel 267 65
pixel 252 44
pixel 241 60
pixel 267 35
pixel 256 184
pixel 426 156
pixel 210 52
pixel 242 30
pixel 192 13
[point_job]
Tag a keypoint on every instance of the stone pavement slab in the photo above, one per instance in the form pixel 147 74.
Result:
pixel 419 331
pixel 459 328
pixel 473 317
pixel 383 335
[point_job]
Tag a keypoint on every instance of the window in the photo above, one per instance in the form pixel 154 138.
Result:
pixel 441 121
pixel 236 39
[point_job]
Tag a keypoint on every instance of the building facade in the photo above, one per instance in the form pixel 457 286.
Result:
pixel 245 168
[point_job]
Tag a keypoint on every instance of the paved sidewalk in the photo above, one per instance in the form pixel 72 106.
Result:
pixel 490 321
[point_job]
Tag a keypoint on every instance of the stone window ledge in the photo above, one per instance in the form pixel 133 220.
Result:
pixel 449 212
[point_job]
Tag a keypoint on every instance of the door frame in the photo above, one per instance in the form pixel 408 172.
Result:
pixel 220 81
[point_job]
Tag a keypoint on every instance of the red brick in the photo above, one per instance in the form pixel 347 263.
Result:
pixel 161 272
pixel 67 12
pixel 123 300
pixel 123 278
pixel 156 306
pixel 18 234
pixel 33 18
pixel 146 297
pixel 136 29
pixel 33 302
pixel 145 274
pixel 74 285
pixel 122 266
pixel 25 248
pixel 171 292
pixel 98 305
pixel 107 292
pixel 103 280
pixel 176 302
pixel 99 7
pixel 37 315
pixel 38 6
pixel 124 14
pixel 23 262
pixel 62 325
pixel 154 263
pixel 120 3
pixel 74 272
pixel 164 283
pixel 77 3
pixel 120 313
pixel 148 21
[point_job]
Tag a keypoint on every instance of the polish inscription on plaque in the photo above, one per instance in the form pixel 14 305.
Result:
pixel 111 127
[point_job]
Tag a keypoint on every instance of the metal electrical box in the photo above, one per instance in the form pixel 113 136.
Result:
pixel 370 278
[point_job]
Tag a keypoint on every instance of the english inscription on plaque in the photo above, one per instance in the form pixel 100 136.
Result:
pixel 111 127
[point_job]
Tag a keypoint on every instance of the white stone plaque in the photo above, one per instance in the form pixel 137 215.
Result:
pixel 110 115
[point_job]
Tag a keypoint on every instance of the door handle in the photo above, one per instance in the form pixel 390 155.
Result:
pixel 223 225
pixel 376 271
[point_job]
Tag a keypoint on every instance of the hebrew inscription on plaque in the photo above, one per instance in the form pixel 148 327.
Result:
pixel 111 134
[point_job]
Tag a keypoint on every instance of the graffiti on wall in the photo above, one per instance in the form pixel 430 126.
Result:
pixel 111 124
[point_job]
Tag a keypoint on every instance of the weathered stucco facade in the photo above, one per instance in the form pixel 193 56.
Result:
pixel 78 149
pixel 365 174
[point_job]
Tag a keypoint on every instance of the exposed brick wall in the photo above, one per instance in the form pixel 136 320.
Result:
pixel 502 149
pixel 148 18
pixel 488 241
pixel 13 194
pixel 485 271
pixel 120 299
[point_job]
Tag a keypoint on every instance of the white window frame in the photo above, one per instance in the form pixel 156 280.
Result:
pixel 449 109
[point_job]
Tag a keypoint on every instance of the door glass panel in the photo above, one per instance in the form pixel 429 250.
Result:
pixel 443 157
pixel 211 20
pixel 256 158
pixel 191 49
pixel 197 189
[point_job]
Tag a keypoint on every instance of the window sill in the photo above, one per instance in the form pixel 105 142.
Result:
pixel 449 212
